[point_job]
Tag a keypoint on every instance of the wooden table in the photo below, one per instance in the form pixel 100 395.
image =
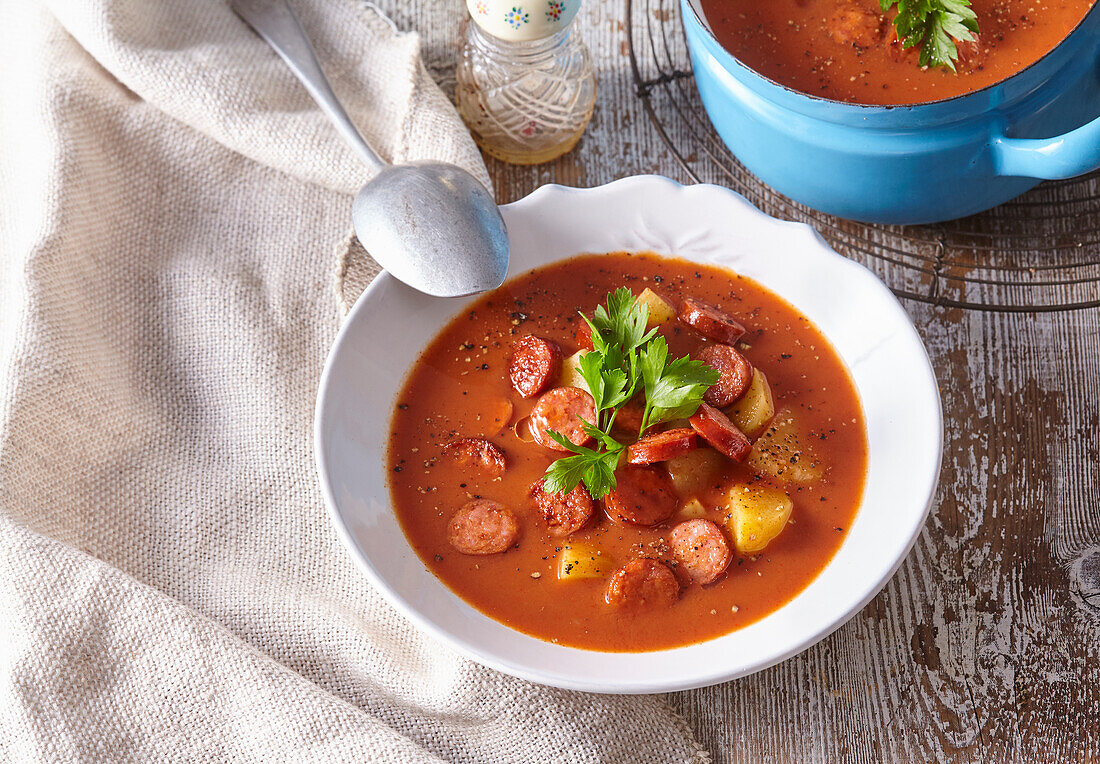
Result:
pixel 985 646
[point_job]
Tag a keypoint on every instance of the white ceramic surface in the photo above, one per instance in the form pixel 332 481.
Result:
pixel 391 323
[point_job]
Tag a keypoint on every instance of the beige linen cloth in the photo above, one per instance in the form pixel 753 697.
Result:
pixel 173 260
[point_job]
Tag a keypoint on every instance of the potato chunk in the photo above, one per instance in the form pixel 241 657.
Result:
pixel 755 408
pixel 692 509
pixel 757 514
pixel 570 374
pixel 782 452
pixel 692 472
pixel 660 310
pixel 579 560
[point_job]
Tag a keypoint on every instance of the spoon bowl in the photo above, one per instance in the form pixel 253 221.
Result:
pixel 443 215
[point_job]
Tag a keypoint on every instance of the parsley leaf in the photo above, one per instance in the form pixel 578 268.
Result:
pixel 610 384
pixel 672 390
pixel 596 469
pixel 590 365
pixel 621 324
pixel 934 25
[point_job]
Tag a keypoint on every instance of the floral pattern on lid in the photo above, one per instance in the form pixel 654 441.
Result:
pixel 522 21
pixel 516 17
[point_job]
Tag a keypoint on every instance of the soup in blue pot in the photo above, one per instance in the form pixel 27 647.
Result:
pixel 848 50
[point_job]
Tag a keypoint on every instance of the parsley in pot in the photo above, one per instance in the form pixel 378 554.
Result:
pixel 934 25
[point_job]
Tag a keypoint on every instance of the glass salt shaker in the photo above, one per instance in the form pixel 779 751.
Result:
pixel 525 84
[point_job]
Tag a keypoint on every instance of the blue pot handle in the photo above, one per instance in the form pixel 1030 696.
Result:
pixel 1063 156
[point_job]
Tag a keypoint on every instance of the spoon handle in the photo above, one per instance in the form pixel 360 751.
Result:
pixel 279 27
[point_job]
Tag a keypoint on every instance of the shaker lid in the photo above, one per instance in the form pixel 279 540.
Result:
pixel 520 20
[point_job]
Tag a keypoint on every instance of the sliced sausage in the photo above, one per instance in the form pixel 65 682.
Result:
pixel 735 371
pixel 483 526
pixel 564 512
pixel 642 583
pixel 561 410
pixel 701 549
pixel 715 428
pixel 662 446
pixel 710 322
pixel 478 453
pixel 535 361
pixel 641 496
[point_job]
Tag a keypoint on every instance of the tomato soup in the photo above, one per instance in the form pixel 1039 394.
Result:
pixel 846 50
pixel 717 518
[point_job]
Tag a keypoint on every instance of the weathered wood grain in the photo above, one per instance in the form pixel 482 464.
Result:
pixel 985 646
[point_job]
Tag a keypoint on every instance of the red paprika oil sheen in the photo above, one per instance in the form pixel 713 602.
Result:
pixel 459 387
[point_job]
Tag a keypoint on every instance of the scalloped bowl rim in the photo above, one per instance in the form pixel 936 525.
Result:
pixel 852 308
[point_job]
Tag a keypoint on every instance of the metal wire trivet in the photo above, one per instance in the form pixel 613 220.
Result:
pixel 1037 253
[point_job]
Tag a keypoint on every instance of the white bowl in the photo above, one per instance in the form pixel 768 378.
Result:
pixel 391 323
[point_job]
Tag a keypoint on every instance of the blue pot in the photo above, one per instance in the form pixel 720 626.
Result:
pixel 908 164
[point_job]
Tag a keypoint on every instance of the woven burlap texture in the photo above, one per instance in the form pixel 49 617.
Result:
pixel 173 243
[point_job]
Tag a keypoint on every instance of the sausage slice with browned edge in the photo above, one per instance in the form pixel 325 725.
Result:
pixel 561 410
pixel 642 496
pixel 715 428
pixel 662 446
pixel 701 549
pixel 535 362
pixel 478 453
pixel 735 371
pixel 483 526
pixel 642 583
pixel 564 512
pixel 709 321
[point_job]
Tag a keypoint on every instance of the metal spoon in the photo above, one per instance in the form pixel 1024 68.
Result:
pixel 430 224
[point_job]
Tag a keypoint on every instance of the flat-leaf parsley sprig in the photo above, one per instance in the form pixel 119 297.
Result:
pixel 625 359
pixel 673 389
pixel 934 25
